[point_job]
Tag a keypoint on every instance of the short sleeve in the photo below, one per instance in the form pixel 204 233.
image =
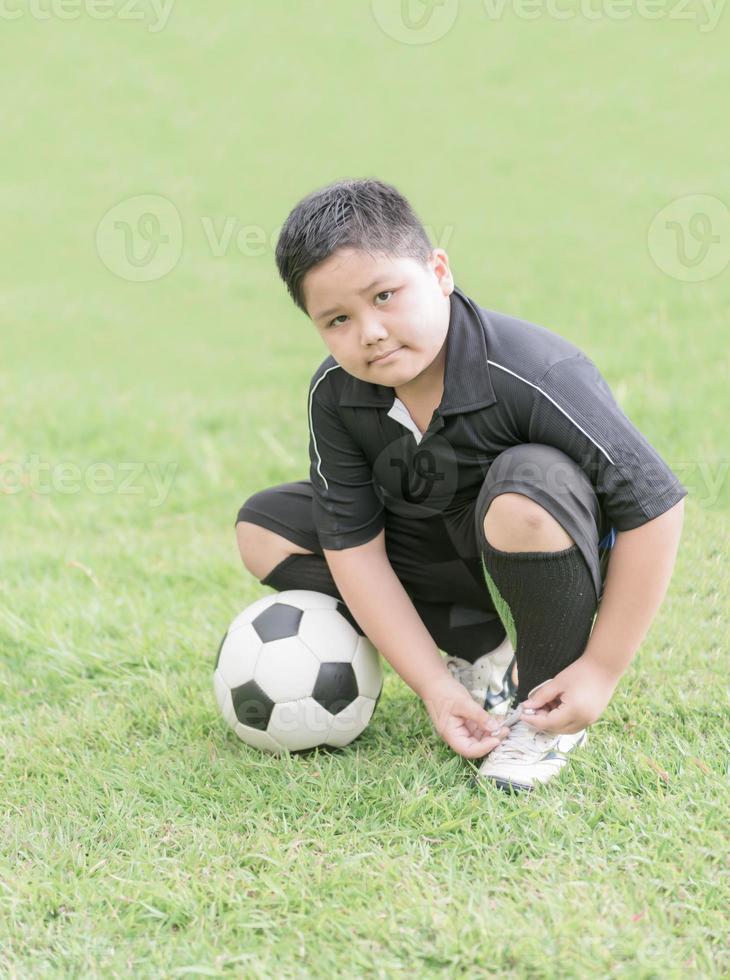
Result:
pixel 574 410
pixel 346 510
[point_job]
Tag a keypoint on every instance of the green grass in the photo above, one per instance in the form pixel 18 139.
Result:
pixel 139 836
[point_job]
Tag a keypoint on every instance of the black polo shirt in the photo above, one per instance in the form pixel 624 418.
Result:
pixel 506 382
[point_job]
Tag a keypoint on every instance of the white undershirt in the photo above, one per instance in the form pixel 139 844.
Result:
pixel 400 413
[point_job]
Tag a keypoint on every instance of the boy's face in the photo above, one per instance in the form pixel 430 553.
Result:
pixel 364 305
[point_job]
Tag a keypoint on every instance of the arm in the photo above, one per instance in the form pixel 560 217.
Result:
pixel 638 574
pixel 349 519
pixel 382 607
pixel 573 409
pixel 385 612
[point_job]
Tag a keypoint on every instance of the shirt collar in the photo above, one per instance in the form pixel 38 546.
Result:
pixel 467 384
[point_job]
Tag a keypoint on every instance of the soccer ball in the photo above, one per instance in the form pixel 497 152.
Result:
pixel 295 671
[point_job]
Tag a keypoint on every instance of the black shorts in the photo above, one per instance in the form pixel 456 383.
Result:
pixel 438 558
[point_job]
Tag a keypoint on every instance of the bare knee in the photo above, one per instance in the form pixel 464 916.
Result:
pixel 514 522
pixel 262 550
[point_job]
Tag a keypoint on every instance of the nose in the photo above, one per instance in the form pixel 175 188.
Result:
pixel 372 331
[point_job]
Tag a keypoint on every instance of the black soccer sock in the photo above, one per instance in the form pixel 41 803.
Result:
pixel 308 572
pixel 547 601
pixel 457 631
pixel 302 572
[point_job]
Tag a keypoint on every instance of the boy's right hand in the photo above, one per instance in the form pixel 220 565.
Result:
pixel 459 720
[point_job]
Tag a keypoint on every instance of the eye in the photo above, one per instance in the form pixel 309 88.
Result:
pixel 385 292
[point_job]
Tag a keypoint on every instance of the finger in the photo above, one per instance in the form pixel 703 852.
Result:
pixel 483 721
pixel 471 740
pixel 471 749
pixel 545 709
pixel 495 730
pixel 476 731
pixel 473 729
pixel 478 735
pixel 543 693
pixel 554 722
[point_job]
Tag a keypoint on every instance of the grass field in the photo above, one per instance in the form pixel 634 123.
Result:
pixel 143 399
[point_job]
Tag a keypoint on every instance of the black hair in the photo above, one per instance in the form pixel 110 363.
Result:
pixel 365 214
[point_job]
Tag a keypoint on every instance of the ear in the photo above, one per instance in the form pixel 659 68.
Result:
pixel 439 263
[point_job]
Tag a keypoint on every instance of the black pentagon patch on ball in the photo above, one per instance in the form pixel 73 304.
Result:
pixel 336 687
pixel 252 706
pixel 220 647
pixel 277 622
pixel 346 614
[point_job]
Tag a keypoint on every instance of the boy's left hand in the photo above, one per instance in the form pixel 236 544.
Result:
pixel 573 699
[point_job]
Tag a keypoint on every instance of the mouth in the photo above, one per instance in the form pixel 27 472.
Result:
pixel 386 357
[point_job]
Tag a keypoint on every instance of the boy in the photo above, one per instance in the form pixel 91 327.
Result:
pixel 471 475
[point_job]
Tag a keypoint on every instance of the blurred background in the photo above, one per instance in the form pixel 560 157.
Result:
pixel 570 155
pixel 571 158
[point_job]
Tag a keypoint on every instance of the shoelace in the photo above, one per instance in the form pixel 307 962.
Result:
pixel 523 740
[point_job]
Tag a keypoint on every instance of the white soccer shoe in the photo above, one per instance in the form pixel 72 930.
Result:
pixel 489 678
pixel 528 756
